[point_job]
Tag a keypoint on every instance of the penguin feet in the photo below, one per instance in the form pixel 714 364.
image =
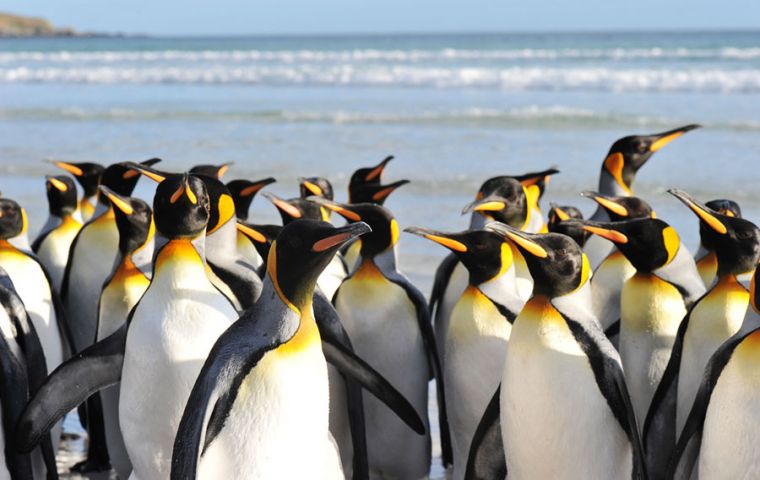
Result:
pixel 91 465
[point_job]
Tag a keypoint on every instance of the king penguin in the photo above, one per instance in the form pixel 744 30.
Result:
pixel 88 175
pixel 611 274
pixel 300 208
pixel 653 301
pixel 707 261
pixel 720 437
pixel 315 186
pixel 270 365
pixel 22 371
pixel 479 329
pixel 624 159
pixel 54 241
pixel 121 292
pixel 388 322
pixel 243 193
pixel 563 408
pixel 713 319
pixel 32 284
pixel 213 171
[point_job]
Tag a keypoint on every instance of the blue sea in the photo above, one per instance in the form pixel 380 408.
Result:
pixel 453 109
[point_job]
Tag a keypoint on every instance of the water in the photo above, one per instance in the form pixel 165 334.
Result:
pixel 454 109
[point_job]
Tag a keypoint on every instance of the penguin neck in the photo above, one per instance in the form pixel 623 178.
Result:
pixel 221 244
pixel 7 246
pixel 55 221
pixel 385 261
pixel 610 187
pixel 182 260
pixel 296 322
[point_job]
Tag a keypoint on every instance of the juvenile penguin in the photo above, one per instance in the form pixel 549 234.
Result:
pixel 121 292
pixel 719 439
pixel 171 329
pixel 707 261
pixel 300 208
pixel 624 159
pixel 243 193
pixel 54 241
pixel 611 274
pixel 88 175
pixel 268 366
pixel 479 329
pixel 563 390
pixel 561 221
pixel 713 319
pixel 388 322
pixel 653 301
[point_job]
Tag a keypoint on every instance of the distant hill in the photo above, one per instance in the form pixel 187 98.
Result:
pixel 21 26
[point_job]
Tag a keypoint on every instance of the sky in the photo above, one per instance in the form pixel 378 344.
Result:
pixel 240 17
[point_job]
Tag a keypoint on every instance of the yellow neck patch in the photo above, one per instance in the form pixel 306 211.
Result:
pixel 671 241
pixel 614 166
pixel 506 259
pixel 226 212
pixel 394 232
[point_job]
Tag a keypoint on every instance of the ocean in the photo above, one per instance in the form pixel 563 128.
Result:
pixel 454 109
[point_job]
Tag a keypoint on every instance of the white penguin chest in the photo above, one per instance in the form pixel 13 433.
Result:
pixel 607 285
pixel 118 298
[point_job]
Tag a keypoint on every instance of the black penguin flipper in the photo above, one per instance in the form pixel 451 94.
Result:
pixel 687 449
pixel 428 337
pixel 353 367
pixel 441 281
pixel 611 382
pixel 69 261
pixel 332 332
pixel 91 370
pixel 486 460
pixel 613 331
pixel 659 431
pixel 237 351
pixel 244 284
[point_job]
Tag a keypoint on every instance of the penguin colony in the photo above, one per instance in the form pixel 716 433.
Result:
pixel 196 344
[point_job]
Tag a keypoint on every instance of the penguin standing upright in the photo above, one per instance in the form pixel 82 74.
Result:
pixel 706 258
pixel 171 329
pixel 611 274
pixel 713 319
pixel 479 329
pixel 564 409
pixel 653 301
pixel 624 159
pixel 719 439
pixel 243 193
pixel 32 284
pixel 269 365
pixel 88 175
pixel 389 325
pixel 121 292
pixel 300 208
pixel 54 241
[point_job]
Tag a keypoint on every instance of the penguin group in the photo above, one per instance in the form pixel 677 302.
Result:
pixel 195 343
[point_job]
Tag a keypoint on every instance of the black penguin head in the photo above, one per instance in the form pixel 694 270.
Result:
pixel 735 241
pixel 648 243
pixel 88 174
pixel 628 154
pixel 214 171
pixel 296 209
pixel 300 254
pixel 535 182
pixel 262 236
pixel 365 184
pixel 385 232
pixel 621 208
pixel 501 199
pixel 243 192
pixel 560 220
pixel 181 206
pixel 485 254
pixel 12 219
pixel 316 186
pixel 61 195
pixel 121 178
pixel 555 261
pixel 725 207
pixel 134 220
